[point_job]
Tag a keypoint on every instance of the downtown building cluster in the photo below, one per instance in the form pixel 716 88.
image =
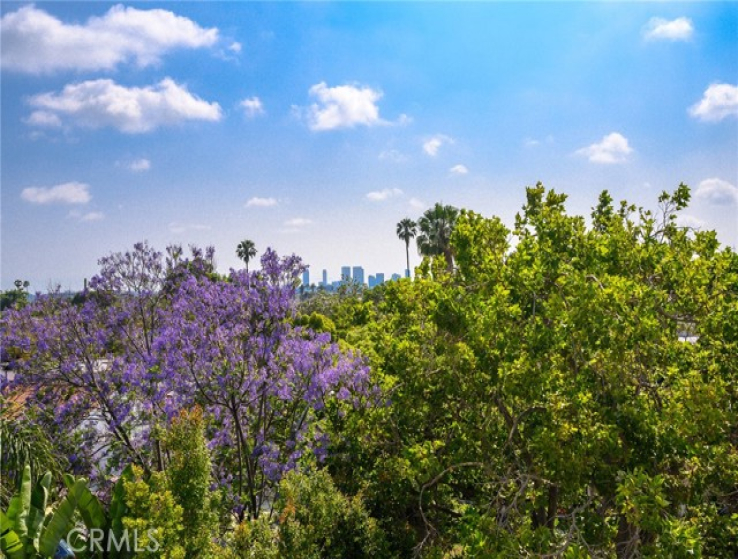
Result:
pixel 349 274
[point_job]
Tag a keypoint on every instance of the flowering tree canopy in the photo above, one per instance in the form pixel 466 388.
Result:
pixel 156 333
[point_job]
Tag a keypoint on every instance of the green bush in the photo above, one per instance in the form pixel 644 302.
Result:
pixel 188 478
pixel 317 520
pixel 314 520
pixel 154 516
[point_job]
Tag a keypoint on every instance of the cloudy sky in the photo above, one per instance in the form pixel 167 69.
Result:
pixel 314 128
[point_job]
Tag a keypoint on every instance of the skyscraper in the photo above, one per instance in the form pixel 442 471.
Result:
pixel 345 273
pixel 359 275
pixel 379 278
pixel 325 277
pixel 306 278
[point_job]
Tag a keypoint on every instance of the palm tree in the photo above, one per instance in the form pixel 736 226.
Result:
pixel 246 250
pixel 436 226
pixel 406 230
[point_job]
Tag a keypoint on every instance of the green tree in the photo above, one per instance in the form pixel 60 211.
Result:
pixel 314 520
pixel 24 444
pixel 544 399
pixel 406 230
pixel 246 250
pixel 317 521
pixel 436 226
pixel 189 480
pixel 14 297
pixel 154 516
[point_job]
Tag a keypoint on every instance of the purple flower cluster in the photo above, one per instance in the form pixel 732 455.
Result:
pixel 156 333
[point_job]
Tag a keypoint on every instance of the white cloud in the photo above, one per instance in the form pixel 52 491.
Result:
pixel 531 142
pixel 404 120
pixel 139 165
pixel 718 192
pixel 43 119
pixel 343 106
pixel 720 100
pixel 385 194
pixel 534 142
pixel 67 193
pixel 417 204
pixel 392 155
pixel 36 42
pixel 679 29
pixel 261 202
pixel 252 107
pixel 432 145
pixel 99 103
pixel 298 222
pixel 613 148
pixel 92 216
pixel 179 228
pixel 459 170
pixel 235 46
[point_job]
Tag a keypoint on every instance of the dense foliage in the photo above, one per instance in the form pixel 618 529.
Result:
pixel 566 387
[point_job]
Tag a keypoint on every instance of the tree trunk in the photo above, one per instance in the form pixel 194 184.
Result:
pixel 626 540
pixel 449 259
pixel 407 254
pixel 553 505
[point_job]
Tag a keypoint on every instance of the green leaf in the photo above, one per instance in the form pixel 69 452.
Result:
pixel 60 525
pixel 89 507
pixel 10 544
pixel 118 508
pixel 20 505
pixel 69 481
pixel 39 497
pixel 37 513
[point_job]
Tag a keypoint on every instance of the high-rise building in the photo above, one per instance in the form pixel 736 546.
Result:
pixel 395 277
pixel 345 273
pixel 306 278
pixel 325 277
pixel 358 275
pixel 379 278
pixel 372 281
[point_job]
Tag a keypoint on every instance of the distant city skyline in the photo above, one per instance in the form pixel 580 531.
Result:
pixel 313 128
pixel 376 278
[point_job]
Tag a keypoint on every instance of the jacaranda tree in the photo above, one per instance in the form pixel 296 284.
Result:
pixel 233 349
pixel 156 333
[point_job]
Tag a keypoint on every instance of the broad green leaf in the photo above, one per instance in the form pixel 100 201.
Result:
pixel 37 513
pixel 69 481
pixel 89 507
pixel 20 505
pixel 61 523
pixel 118 507
pixel 10 544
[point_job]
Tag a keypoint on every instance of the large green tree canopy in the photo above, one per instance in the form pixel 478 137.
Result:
pixel 567 390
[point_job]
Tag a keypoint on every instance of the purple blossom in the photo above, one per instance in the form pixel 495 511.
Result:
pixel 155 334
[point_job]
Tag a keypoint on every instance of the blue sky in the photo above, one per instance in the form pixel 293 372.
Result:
pixel 315 127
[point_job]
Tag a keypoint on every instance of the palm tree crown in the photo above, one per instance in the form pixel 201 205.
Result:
pixel 246 250
pixel 436 226
pixel 406 230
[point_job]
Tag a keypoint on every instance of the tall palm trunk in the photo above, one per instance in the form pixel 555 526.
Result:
pixel 449 258
pixel 407 254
